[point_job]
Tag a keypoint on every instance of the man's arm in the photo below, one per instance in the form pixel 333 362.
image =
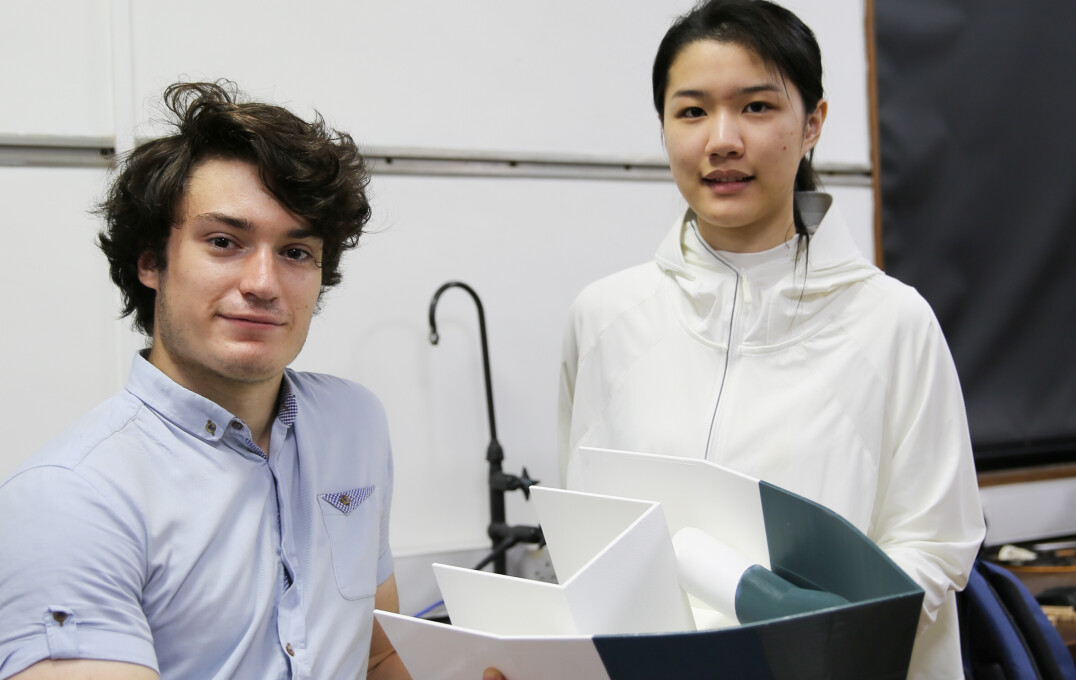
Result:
pixel 85 669
pixel 385 664
pixel 66 564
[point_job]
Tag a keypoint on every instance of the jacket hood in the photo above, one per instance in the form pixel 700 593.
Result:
pixel 781 290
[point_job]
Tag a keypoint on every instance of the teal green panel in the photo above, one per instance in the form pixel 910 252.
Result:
pixel 816 548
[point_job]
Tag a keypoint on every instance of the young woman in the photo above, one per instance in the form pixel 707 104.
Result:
pixel 761 339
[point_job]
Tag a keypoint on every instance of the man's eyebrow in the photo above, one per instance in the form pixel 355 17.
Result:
pixel 244 224
pixel 231 220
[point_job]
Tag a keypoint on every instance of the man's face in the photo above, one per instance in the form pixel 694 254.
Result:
pixel 240 285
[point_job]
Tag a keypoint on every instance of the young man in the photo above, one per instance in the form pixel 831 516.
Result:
pixel 222 516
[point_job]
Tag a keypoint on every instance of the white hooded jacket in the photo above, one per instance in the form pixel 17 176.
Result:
pixel 811 370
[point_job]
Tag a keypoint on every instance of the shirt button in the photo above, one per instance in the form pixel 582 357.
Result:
pixel 236 425
pixel 210 427
pixel 289 650
pixel 344 500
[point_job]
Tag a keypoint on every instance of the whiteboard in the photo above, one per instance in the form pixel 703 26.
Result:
pixel 57 70
pixel 553 77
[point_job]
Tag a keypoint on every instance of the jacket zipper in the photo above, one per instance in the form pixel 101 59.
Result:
pixel 733 326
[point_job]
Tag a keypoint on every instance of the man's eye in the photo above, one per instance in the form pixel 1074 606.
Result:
pixel 298 254
pixel 220 242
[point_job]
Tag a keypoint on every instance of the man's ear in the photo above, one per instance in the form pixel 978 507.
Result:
pixel 148 273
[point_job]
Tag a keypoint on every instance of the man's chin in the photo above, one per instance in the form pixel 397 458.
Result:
pixel 251 368
pixel 253 373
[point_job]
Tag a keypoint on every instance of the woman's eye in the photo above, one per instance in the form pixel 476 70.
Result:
pixel 692 112
pixel 757 107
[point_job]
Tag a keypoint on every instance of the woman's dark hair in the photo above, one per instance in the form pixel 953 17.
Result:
pixel 776 35
pixel 314 171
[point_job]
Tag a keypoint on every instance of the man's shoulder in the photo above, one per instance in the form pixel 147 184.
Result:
pixel 94 434
pixel 310 384
pixel 344 423
pixel 330 394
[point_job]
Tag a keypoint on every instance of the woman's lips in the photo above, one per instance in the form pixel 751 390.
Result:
pixel 727 184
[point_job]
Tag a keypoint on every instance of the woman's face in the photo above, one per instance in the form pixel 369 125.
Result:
pixel 735 132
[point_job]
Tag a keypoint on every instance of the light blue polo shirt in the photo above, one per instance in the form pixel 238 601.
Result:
pixel 156 532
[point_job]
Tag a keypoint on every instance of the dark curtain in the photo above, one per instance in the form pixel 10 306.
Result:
pixel 976 104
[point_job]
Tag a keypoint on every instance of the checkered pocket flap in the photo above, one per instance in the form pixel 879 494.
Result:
pixel 349 499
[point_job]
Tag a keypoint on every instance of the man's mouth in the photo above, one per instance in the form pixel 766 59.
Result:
pixel 254 319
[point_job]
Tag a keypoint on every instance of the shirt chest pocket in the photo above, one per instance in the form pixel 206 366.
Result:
pixel 352 522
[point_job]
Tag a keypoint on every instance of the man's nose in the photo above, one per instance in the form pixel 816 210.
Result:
pixel 260 277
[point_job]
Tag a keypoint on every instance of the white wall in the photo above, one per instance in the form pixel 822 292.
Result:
pixel 59 335
pixel 559 77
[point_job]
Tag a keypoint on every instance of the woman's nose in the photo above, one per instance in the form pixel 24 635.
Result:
pixel 724 136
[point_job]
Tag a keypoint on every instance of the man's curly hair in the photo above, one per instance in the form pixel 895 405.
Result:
pixel 315 171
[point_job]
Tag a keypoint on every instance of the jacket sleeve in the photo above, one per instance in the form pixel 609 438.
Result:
pixel 927 515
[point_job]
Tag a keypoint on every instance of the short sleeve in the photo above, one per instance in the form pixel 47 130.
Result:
pixel 385 565
pixel 72 570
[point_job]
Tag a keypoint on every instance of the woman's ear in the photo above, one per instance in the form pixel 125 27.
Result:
pixel 812 129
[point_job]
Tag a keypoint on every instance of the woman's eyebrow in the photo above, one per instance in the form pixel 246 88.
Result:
pixel 696 94
pixel 766 87
pixel 750 89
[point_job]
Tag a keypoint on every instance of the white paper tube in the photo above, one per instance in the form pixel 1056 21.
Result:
pixel 709 569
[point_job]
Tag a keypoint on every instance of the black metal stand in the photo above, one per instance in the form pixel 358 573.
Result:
pixel 503 535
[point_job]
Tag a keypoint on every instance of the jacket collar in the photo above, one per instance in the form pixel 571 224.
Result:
pixel 789 282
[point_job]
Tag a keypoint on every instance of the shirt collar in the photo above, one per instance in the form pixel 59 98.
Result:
pixel 190 411
pixel 288 409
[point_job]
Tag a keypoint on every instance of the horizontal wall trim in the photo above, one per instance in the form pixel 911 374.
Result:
pixel 480 163
pixel 56 156
pixel 38 150
pixel 17 139
pixel 64 151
